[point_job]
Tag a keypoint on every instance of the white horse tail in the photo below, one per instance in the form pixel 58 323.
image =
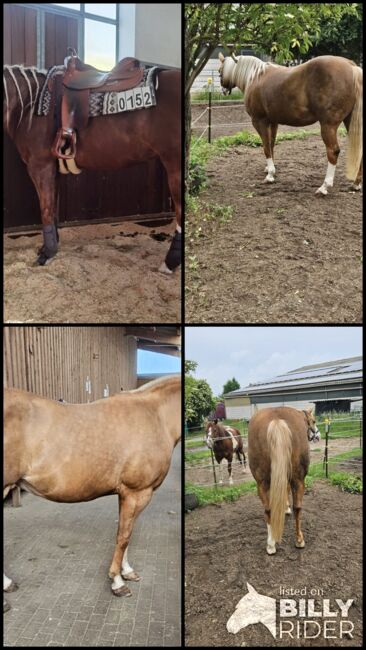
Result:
pixel 279 439
pixel 354 152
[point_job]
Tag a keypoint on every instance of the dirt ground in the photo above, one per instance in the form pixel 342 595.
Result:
pixel 286 255
pixel 225 547
pixel 202 472
pixel 102 273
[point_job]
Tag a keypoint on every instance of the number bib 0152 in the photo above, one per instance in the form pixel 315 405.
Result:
pixel 129 100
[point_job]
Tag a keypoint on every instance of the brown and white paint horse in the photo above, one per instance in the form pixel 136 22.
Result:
pixel 327 89
pixel 278 447
pixel 78 452
pixel 225 441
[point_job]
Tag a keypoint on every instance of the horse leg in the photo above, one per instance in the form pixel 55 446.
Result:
pixel 44 179
pixel 329 135
pixel 288 511
pixel 263 493
pixel 9 585
pixel 273 130
pixel 298 489
pixel 130 505
pixel 173 257
pixel 265 131
pixel 220 472
pixel 229 469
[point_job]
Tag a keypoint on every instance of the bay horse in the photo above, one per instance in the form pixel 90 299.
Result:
pixel 72 453
pixel 327 89
pixel 225 441
pixel 278 447
pixel 107 142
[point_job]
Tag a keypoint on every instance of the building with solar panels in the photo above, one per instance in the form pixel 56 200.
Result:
pixel 334 386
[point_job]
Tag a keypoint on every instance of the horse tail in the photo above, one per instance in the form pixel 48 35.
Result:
pixel 354 151
pixel 279 439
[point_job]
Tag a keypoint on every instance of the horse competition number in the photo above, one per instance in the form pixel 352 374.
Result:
pixel 129 100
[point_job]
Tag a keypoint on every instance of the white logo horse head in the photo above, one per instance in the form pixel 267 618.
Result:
pixel 253 608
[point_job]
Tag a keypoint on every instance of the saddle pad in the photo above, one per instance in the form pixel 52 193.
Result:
pixel 109 103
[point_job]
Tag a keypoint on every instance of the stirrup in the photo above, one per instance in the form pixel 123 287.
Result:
pixel 65 139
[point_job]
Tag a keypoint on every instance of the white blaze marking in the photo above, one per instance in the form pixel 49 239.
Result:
pixel 328 181
pixel 7 582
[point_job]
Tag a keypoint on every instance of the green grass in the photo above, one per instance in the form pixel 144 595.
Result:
pixel 199 442
pixel 217 494
pixel 195 456
pixel 347 482
pixel 202 96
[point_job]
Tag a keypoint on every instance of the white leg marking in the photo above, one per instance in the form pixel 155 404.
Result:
pixel 7 582
pixel 231 480
pixel 117 582
pixel 271 170
pixel 328 181
pixel 178 229
pixel 220 471
pixel 271 544
pixel 288 511
pixel 126 568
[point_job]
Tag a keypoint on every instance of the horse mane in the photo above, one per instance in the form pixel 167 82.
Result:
pixel 26 73
pixel 247 69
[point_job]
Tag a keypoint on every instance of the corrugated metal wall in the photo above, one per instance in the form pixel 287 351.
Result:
pixel 56 361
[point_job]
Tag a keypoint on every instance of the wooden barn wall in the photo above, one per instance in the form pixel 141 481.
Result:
pixel 56 361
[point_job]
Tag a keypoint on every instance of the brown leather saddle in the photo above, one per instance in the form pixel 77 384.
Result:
pixel 79 79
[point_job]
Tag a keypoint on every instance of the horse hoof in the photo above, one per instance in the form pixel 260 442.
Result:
pixel 6 606
pixel 321 191
pixel 300 544
pixel 131 576
pixel 356 187
pixel 12 587
pixel 271 550
pixel 42 259
pixel 164 269
pixel 269 179
pixel 122 591
pixel 288 511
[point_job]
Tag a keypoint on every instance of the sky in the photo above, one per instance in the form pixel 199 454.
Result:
pixel 257 353
pixel 152 362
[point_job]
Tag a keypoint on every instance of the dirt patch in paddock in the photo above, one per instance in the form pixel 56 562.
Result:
pixel 102 273
pixel 286 255
pixel 225 549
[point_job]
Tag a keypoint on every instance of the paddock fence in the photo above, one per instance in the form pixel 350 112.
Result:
pixel 339 450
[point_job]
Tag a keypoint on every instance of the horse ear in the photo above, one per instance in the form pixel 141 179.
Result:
pixel 251 589
pixel 221 57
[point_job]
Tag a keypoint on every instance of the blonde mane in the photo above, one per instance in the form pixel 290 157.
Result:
pixel 243 72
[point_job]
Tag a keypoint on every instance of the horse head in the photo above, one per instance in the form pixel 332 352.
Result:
pixel 226 70
pixel 313 431
pixel 253 608
pixel 209 431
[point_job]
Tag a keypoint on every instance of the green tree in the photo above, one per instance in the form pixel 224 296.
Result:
pixel 231 384
pixel 277 29
pixel 198 397
pixel 340 37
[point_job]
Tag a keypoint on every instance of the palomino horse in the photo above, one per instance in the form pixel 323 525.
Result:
pixel 107 142
pixel 225 441
pixel 279 458
pixel 327 89
pixel 78 452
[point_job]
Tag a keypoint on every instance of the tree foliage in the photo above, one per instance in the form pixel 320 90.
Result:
pixel 199 400
pixel 231 384
pixel 281 30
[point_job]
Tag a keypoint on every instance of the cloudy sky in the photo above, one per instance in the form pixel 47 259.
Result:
pixel 256 353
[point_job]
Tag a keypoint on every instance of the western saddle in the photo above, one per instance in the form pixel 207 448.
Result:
pixel 79 79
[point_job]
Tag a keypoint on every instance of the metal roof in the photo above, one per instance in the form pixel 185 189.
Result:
pixel 335 372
